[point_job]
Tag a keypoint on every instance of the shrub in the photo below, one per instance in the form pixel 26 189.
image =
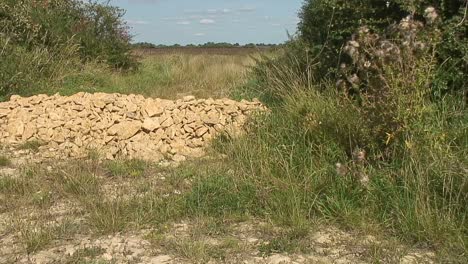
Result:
pixel 98 29
pixel 41 40
pixel 326 26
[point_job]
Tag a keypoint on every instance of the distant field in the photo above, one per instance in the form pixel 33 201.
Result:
pixel 196 51
pixel 170 74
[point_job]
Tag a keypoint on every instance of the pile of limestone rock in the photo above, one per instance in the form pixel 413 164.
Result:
pixel 117 125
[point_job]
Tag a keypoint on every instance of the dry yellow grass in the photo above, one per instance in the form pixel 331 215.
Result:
pixel 207 75
pixel 167 76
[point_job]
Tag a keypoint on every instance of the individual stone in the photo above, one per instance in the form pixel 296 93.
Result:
pixel 29 131
pixel 179 158
pixel 153 109
pixel 211 118
pixel 99 104
pixel 125 130
pixel 167 123
pixel 150 124
pixel 131 107
pixel 4 112
pixel 15 128
pixel 188 98
pixel 201 131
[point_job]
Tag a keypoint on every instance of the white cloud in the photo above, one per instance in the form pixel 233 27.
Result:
pixel 226 10
pixel 195 17
pixel 247 9
pixel 199 34
pixel 137 22
pixel 184 22
pixel 276 24
pixel 207 21
pixel 172 18
pixel 192 11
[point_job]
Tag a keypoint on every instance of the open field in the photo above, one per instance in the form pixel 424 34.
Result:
pixel 200 50
pixel 167 76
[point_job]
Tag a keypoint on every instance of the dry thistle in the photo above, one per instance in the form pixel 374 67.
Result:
pixel 359 156
pixel 431 15
pixel 341 169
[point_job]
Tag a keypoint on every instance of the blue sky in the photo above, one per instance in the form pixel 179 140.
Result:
pixel 200 21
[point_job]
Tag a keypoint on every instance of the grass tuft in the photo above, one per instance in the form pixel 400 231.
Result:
pixel 32 145
pixel 127 168
pixel 4 161
pixel 221 195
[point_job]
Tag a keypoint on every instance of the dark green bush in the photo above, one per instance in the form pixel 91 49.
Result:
pixel 98 29
pixel 40 40
pixel 326 25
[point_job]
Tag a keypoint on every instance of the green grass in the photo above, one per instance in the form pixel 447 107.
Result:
pixel 86 256
pixel 32 145
pixel 221 195
pixel 127 168
pixel 196 248
pixel 78 181
pixel 36 237
pixel 290 155
pixel 14 186
pixel 294 240
pixel 4 161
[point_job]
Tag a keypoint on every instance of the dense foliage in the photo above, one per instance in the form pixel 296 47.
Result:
pixel 326 25
pixel 41 37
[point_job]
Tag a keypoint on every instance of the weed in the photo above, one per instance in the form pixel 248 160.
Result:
pixel 84 256
pixel 42 199
pixel 221 195
pixel 93 155
pixel 35 239
pixel 32 145
pixel 80 183
pixel 4 161
pixel 37 236
pixel 14 186
pixel 108 216
pixel 127 168
pixel 292 241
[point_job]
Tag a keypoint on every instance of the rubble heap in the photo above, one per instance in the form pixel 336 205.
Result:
pixel 120 125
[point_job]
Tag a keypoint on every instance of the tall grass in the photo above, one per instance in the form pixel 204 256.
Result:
pixel 390 159
pixel 420 196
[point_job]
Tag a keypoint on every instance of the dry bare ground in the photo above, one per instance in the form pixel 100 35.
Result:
pixel 129 211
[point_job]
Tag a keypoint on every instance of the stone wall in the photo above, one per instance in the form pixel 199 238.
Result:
pixel 120 125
